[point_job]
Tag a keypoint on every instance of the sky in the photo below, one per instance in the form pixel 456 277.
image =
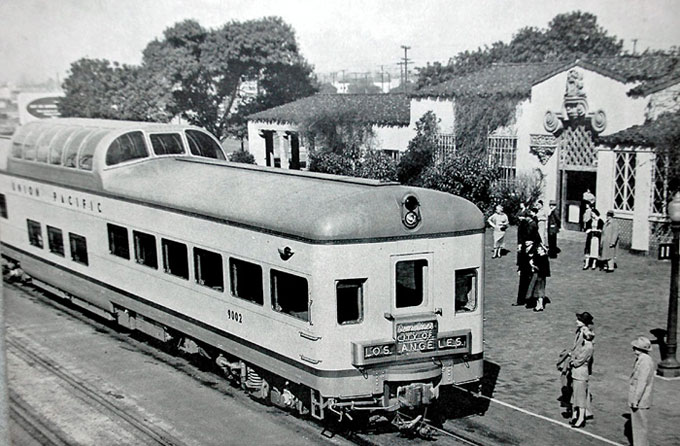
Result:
pixel 39 39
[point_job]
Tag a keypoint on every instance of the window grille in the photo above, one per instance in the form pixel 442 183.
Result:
pixel 624 182
pixel 660 195
pixel 502 152
pixel 446 147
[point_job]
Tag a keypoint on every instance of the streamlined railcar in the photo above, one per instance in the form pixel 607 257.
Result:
pixel 320 293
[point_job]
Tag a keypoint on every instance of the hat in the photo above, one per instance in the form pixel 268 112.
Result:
pixel 552 203
pixel 610 213
pixel 585 317
pixel 642 343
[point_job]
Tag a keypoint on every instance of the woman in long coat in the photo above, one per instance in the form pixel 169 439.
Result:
pixel 581 364
pixel 610 242
pixel 591 251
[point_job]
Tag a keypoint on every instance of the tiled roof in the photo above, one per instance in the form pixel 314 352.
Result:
pixel 508 79
pixel 650 134
pixel 516 79
pixel 377 109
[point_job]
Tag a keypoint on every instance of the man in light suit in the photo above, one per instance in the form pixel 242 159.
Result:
pixel 640 389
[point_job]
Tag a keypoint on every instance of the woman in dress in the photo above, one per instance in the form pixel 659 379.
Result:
pixel 591 251
pixel 499 222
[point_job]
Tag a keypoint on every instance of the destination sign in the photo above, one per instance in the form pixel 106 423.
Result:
pixel 419 336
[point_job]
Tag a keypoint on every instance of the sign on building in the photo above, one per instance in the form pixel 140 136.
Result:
pixel 39 105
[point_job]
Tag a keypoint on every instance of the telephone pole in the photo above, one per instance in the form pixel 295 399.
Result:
pixel 405 62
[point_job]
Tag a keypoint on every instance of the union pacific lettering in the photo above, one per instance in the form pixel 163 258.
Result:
pixel 71 200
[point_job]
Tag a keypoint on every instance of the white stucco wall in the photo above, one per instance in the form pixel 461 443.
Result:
pixel 443 108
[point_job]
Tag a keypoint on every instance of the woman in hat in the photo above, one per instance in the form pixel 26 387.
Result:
pixel 499 222
pixel 593 234
pixel 640 388
pixel 610 241
pixel 581 366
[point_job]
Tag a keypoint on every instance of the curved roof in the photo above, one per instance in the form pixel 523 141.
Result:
pixel 316 208
pixel 377 109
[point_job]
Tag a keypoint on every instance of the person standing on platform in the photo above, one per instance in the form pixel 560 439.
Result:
pixel 542 218
pixel 524 271
pixel 540 267
pixel 640 388
pixel 587 216
pixel 499 222
pixel 591 252
pixel 554 226
pixel 580 365
pixel 610 242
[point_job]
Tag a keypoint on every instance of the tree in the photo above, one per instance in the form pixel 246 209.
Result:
pixel 421 149
pixel 363 86
pixel 242 156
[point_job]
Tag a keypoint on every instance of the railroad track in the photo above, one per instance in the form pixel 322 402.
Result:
pixel 45 433
pixel 50 435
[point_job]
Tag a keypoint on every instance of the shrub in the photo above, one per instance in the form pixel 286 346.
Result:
pixel 329 162
pixel 421 150
pixel 527 188
pixel 378 166
pixel 464 175
pixel 242 156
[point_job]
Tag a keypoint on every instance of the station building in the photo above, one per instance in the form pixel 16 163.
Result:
pixel 574 122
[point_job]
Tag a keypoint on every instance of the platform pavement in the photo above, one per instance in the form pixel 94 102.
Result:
pixel 522 346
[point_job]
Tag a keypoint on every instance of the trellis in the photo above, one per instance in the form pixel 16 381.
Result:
pixel 577 149
pixel 624 181
pixel 502 152
pixel 446 147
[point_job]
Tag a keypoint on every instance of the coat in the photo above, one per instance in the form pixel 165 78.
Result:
pixel 610 240
pixel 554 223
pixel 582 354
pixel 641 382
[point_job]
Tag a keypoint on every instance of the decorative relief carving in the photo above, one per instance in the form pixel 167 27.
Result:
pixel 542 146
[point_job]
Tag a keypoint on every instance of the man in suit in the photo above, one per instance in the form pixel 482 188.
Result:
pixel 640 388
pixel 554 226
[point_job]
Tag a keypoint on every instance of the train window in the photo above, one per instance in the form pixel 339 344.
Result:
pixel 126 147
pixel 78 245
pixel 166 143
pixel 3 206
pixel 55 241
pixel 350 295
pixel 175 259
pixel 246 280
pixel 466 290
pixel 86 152
pixel 208 269
pixel 118 241
pixel 34 233
pixel 29 145
pixel 57 145
pixel 43 145
pixel 201 144
pixel 72 148
pixel 145 249
pixel 290 294
pixel 411 281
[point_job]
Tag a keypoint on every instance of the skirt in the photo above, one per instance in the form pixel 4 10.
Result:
pixel 580 393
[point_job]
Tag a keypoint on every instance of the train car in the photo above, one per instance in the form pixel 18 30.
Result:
pixel 320 293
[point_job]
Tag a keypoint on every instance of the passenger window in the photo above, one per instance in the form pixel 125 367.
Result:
pixel 411 281
pixel 118 241
pixel 3 206
pixel 201 144
pixel 57 146
pixel 55 240
pixel 29 145
pixel 145 249
pixel 34 233
pixel 86 152
pixel 126 147
pixel 78 248
pixel 71 153
pixel 43 145
pixel 246 281
pixel 166 143
pixel 208 269
pixel 175 259
pixel 350 295
pixel 290 294
pixel 466 290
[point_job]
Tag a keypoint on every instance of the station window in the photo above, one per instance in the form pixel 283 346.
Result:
pixel 34 233
pixel 466 290
pixel 350 295
pixel 411 281
pixel 78 248
pixel 246 280
pixel 175 259
pixel 55 241
pixel 166 143
pixel 145 249
pixel 201 144
pixel 3 206
pixel 126 147
pixel 119 244
pixel 208 269
pixel 290 294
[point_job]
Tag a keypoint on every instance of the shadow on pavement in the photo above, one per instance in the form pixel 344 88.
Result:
pixel 462 402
